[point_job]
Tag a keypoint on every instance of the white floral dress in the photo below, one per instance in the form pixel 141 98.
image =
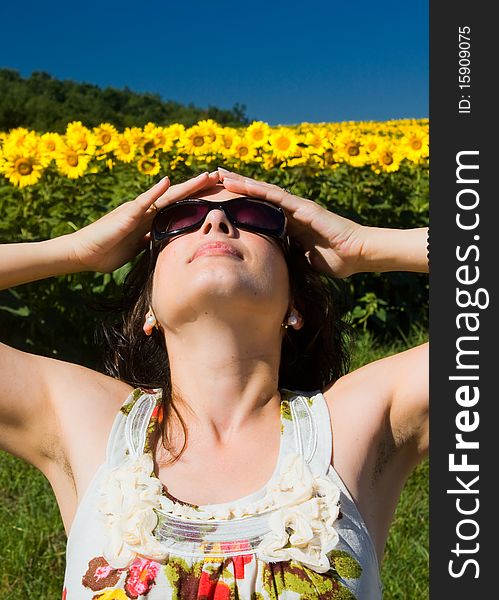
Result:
pixel 300 536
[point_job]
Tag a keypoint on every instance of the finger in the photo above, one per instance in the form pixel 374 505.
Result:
pixel 265 191
pixel 225 173
pixel 183 190
pixel 146 199
pixel 213 179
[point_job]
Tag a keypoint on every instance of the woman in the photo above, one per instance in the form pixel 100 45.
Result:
pixel 157 494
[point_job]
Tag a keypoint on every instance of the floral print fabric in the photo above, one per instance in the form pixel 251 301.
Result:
pixel 222 579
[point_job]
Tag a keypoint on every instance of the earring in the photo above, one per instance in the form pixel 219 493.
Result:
pixel 149 325
pixel 292 320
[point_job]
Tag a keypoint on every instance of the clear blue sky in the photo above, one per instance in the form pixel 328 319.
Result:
pixel 287 62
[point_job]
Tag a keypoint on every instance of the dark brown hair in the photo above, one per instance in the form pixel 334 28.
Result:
pixel 312 357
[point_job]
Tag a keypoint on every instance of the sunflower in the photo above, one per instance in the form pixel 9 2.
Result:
pixel 135 133
pixel 106 137
pixel 197 141
pixel 349 148
pixel 415 145
pixel 21 140
pixel 283 143
pixel 387 158
pixel 80 138
pixel 243 149
pixel 71 162
pixel 21 168
pixel 125 148
pixel 16 137
pixel 155 137
pixel 163 139
pixel 49 142
pixel 225 140
pixel 211 127
pixel 175 131
pixel 302 157
pixel 258 132
pixel 371 142
pixel 148 165
pixel 48 146
pixel 316 140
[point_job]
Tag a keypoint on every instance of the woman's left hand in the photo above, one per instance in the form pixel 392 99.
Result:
pixel 333 244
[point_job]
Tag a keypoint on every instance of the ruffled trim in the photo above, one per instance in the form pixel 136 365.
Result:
pixel 302 510
pixel 128 498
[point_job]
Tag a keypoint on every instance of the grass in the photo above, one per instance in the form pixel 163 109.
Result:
pixel 32 538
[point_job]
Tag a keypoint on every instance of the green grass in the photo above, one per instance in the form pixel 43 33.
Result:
pixel 32 538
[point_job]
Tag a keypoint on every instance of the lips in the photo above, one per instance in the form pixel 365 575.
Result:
pixel 216 248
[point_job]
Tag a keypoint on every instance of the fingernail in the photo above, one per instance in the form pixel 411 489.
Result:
pixel 162 179
pixel 223 170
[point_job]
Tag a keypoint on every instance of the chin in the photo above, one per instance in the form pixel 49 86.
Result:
pixel 220 296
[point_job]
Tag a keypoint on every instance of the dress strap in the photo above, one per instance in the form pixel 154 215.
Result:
pixel 129 431
pixel 312 430
pixel 138 420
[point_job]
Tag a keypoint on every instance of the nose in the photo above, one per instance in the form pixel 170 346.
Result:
pixel 217 220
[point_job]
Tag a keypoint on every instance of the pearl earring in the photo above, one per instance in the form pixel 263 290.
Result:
pixel 151 320
pixel 292 320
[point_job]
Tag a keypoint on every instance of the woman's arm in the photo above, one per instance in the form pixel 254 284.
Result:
pixel 334 245
pixel 394 250
pixel 32 385
pixel 31 261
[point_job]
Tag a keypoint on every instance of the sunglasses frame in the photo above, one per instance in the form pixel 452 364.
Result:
pixel 158 237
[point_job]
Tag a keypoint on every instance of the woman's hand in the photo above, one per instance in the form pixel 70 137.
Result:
pixel 120 235
pixel 333 244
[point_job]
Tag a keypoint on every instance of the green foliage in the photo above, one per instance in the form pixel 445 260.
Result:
pixel 44 103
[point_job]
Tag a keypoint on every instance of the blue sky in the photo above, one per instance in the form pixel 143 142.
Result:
pixel 287 62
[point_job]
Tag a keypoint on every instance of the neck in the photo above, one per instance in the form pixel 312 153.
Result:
pixel 226 379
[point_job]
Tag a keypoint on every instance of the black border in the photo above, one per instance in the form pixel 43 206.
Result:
pixel 450 133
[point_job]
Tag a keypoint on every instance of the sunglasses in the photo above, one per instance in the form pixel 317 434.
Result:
pixel 250 214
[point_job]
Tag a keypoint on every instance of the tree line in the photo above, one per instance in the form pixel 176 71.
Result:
pixel 44 103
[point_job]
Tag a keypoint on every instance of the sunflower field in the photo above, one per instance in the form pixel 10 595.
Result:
pixel 25 155
pixel 51 184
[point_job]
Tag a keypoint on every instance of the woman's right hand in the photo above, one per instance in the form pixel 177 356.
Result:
pixel 121 234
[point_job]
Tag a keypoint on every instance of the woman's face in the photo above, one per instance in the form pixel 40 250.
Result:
pixel 220 270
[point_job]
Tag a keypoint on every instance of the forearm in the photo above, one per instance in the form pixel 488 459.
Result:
pixel 395 250
pixel 30 261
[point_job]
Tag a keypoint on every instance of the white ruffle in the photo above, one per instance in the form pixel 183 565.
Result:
pixel 302 510
pixel 302 528
pixel 128 498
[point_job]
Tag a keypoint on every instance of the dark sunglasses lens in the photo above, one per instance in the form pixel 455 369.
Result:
pixel 179 216
pixel 257 214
